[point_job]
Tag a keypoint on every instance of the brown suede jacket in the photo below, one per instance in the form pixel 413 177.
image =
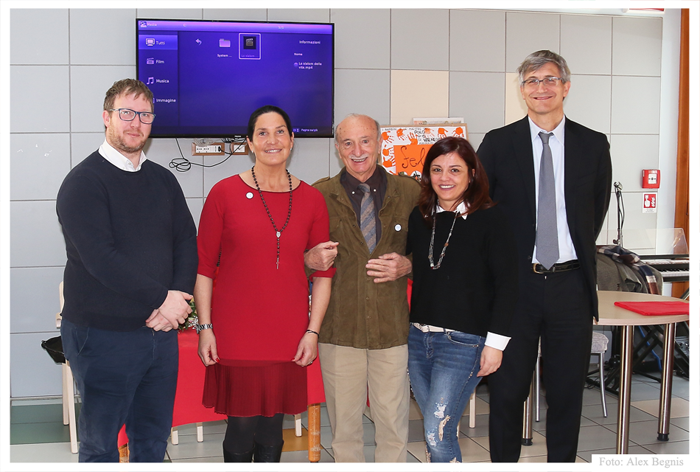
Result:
pixel 361 313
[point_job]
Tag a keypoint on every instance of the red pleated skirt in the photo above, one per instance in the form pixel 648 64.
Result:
pixel 255 388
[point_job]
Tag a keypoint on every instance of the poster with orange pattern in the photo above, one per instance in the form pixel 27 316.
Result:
pixel 404 147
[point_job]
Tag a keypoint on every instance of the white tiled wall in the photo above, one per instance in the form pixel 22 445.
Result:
pixel 470 31
pixel 102 37
pixel 393 64
pixel 420 39
pixel 362 39
pixel 244 14
pixel 83 144
pixel 372 92
pixel 35 235
pixel 635 105
pixel 588 101
pixel 34 106
pixel 585 43
pixel 528 32
pixel 481 104
pixel 39 161
pixel 636 46
pixel 49 28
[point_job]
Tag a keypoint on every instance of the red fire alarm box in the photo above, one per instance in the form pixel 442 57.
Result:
pixel 651 178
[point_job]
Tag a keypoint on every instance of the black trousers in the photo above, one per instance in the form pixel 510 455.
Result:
pixel 556 309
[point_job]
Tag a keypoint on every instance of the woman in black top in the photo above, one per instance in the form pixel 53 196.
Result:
pixel 464 286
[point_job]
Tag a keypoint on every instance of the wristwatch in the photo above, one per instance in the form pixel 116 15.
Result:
pixel 200 327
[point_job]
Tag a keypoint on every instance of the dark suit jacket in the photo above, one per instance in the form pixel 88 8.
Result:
pixel 506 154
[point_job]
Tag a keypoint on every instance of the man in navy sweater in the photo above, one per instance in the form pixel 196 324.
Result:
pixel 132 262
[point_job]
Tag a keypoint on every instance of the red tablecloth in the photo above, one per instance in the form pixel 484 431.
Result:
pixel 190 385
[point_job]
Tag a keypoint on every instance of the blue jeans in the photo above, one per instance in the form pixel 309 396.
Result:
pixel 123 378
pixel 442 368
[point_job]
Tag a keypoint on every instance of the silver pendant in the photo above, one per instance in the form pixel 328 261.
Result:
pixel 279 234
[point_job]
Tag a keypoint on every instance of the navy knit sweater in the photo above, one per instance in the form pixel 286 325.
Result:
pixel 129 237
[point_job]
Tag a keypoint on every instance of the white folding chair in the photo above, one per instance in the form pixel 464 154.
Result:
pixel 68 386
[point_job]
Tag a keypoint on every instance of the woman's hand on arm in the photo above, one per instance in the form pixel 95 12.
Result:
pixel 321 256
pixel 490 361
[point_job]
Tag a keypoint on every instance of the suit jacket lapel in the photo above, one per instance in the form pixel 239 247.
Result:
pixel 573 160
pixel 522 144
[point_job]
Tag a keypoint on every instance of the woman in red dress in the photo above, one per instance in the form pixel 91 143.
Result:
pixel 256 335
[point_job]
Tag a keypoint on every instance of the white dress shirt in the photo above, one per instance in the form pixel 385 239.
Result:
pixel 556 144
pixel 118 159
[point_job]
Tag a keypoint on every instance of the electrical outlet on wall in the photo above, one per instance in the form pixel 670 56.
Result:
pixel 239 148
pixel 213 149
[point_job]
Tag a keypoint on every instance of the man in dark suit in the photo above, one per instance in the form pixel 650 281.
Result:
pixel 552 177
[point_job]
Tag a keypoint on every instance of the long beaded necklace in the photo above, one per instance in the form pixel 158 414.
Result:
pixel 278 232
pixel 444 248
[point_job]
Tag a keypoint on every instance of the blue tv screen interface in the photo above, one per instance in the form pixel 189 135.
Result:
pixel 207 77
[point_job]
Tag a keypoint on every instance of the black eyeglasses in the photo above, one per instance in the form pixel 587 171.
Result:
pixel 127 114
pixel 547 82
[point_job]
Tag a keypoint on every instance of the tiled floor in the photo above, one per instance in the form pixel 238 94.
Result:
pixel 38 434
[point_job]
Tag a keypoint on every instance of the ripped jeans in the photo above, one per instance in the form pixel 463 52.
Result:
pixel 442 368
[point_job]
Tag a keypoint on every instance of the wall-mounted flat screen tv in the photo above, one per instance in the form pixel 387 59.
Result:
pixel 207 77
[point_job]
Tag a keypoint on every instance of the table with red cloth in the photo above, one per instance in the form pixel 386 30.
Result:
pixel 654 308
pixel 190 385
pixel 611 314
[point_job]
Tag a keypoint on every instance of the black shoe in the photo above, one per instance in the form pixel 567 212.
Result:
pixel 238 457
pixel 268 453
